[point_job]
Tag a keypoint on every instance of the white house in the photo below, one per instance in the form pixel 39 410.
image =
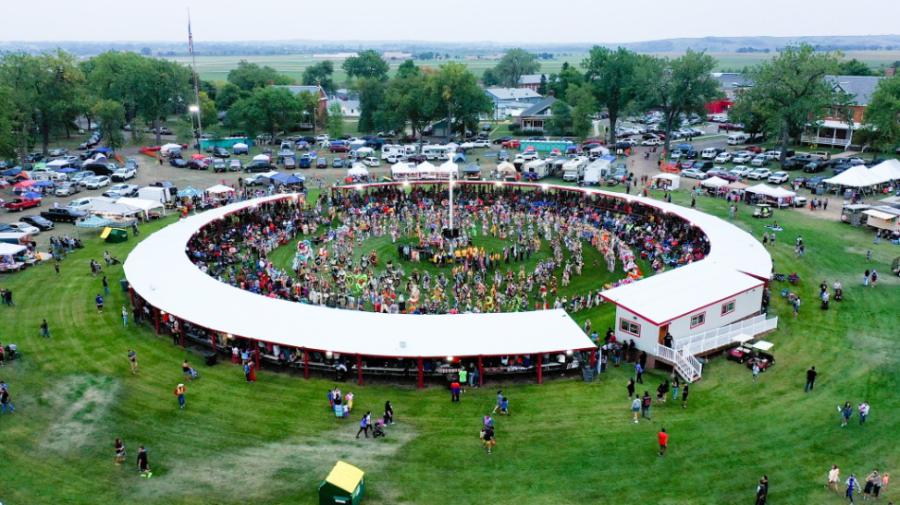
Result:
pixel 684 302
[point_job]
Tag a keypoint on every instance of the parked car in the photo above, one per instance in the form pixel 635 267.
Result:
pixel 372 161
pixel 816 166
pixel 219 165
pixel 511 144
pixel 96 182
pixel 23 228
pixel 723 174
pixel 482 143
pixel 220 152
pixel 202 164
pixel 37 221
pixel 740 171
pixel 322 162
pixel 655 141
pixel 120 190
pixel 760 160
pixel 79 177
pixel 339 162
pixel 258 166
pixel 63 215
pixel 178 163
pixel 66 189
pixel 123 174
pixel 693 173
pixel 723 157
pixel 703 165
pixel 742 157
pixel 759 174
pixel 778 177
pixel 773 154
pixel 20 204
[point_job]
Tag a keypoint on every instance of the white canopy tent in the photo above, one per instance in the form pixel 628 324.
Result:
pixel 144 205
pixel 888 170
pixel 858 176
pixel 448 168
pixel 776 194
pixel 11 249
pixel 219 189
pixel 262 157
pixel 667 181
pixel 169 148
pixel 358 170
pixel 714 183
pixel 401 170
pixel 105 207
pixel 506 169
pixel 425 170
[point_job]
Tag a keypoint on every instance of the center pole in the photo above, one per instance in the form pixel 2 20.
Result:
pixel 451 201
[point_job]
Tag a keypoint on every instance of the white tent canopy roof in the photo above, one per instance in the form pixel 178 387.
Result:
pixel 858 176
pixel 102 205
pixel 10 249
pixel 140 203
pixel 887 171
pixel 358 170
pixel 219 189
pixel 261 157
pixel 160 271
pixel 771 191
pixel 714 182
pixel 425 167
pixel 401 168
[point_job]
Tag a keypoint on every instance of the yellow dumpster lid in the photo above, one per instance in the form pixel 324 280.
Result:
pixel 105 233
pixel 345 476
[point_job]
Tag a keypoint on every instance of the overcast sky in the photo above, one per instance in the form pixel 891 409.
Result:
pixel 445 21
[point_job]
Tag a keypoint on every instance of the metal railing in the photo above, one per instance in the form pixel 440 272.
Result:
pixel 698 343
pixel 828 141
pixel 687 366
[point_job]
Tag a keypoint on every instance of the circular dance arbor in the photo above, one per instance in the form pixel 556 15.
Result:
pixel 176 296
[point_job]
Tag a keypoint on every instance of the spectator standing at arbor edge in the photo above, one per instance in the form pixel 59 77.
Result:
pixel 810 379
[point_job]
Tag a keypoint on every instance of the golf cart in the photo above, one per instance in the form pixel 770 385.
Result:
pixel 751 353
pixel 762 211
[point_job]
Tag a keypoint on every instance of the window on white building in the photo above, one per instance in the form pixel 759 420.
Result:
pixel 728 307
pixel 698 319
pixel 629 327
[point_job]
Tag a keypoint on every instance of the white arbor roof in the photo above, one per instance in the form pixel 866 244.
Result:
pixel 160 271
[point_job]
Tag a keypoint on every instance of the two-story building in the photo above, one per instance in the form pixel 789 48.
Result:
pixel 511 102
pixel 835 129
pixel 531 81
pixel 315 90
pixel 534 118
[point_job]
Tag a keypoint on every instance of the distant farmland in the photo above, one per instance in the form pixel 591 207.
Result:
pixel 215 68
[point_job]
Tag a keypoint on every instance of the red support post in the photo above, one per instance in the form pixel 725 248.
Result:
pixel 256 354
pixel 212 340
pixel 131 295
pixel 540 368
pixel 305 364
pixel 480 372
pixel 156 318
pixel 359 379
pixel 421 373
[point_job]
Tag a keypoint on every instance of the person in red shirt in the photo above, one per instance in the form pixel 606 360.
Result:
pixel 454 391
pixel 663 441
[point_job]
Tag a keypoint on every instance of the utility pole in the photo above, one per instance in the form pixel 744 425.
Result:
pixel 199 134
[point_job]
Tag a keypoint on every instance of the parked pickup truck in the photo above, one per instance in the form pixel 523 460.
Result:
pixel 62 215
pixel 20 204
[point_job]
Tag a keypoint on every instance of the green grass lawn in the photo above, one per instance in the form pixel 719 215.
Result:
pixel 567 442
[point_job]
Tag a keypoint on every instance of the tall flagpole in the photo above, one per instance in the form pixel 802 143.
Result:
pixel 196 81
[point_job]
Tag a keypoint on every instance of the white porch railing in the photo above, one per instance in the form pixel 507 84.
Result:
pixel 687 366
pixel 824 141
pixel 699 343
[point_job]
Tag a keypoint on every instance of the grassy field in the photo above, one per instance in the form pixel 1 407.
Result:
pixel 215 68
pixel 567 442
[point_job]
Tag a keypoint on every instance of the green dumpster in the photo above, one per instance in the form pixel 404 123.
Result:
pixel 114 235
pixel 345 485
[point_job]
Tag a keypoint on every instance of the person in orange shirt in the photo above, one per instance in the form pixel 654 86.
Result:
pixel 179 392
pixel 663 441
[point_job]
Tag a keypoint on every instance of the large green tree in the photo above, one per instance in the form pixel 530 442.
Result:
pixel 268 110
pixel 367 64
pixel 883 114
pixel 454 94
pixel 371 94
pixel 790 91
pixel 335 121
pixel 854 67
pixel 558 84
pixel 560 122
pixel 512 66
pixel 7 126
pixel 117 76
pixel 614 76
pixel 249 76
pixel 320 74
pixel 406 101
pixel 110 114
pixel 165 88
pixel 680 87
pixel 229 93
pixel 584 105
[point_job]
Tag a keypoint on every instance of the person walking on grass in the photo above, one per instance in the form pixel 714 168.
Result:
pixel 124 317
pixel 45 329
pixel 810 379
pixel 6 404
pixel 132 360
pixel 675 385
pixel 852 486
pixel 684 395
pixel 120 451
pixel 143 463
pixel 98 300
pixel 762 490
pixel 365 424
pixel 663 439
pixel 499 402
pixel 834 478
pixel 869 487
pixel 180 390
pixel 388 413
pixel 454 391
pixel 105 286
pixel 630 387
pixel 755 371
pixel 846 411
pixel 638 373
pixel 635 408
pixel 863 412
pixel 646 401
pixel 488 439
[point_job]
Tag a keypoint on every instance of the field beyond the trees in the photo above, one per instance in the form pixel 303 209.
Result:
pixel 566 441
